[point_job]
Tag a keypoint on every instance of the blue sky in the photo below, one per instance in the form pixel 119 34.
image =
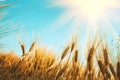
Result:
pixel 35 19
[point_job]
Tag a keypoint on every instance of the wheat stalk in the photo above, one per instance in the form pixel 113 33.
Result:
pixel 59 74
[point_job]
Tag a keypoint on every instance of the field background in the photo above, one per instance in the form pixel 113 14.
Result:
pixel 36 44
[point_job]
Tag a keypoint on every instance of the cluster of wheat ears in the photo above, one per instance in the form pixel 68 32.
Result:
pixel 41 64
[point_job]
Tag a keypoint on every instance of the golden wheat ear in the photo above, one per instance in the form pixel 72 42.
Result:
pixel 32 47
pixel 73 46
pixel 65 52
pixel 76 56
pixel 22 47
pixel 106 58
pixel 112 70
pixel 118 70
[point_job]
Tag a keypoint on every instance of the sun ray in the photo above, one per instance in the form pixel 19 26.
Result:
pixel 64 18
pixel 99 15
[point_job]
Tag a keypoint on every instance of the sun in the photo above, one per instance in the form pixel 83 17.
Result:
pixel 93 9
pixel 97 14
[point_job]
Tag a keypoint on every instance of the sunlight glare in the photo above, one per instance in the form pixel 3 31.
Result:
pixel 92 10
pixel 96 15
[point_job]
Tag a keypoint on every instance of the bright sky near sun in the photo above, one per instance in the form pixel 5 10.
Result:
pixel 36 20
pixel 52 21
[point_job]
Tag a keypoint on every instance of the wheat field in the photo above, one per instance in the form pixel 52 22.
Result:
pixel 41 64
